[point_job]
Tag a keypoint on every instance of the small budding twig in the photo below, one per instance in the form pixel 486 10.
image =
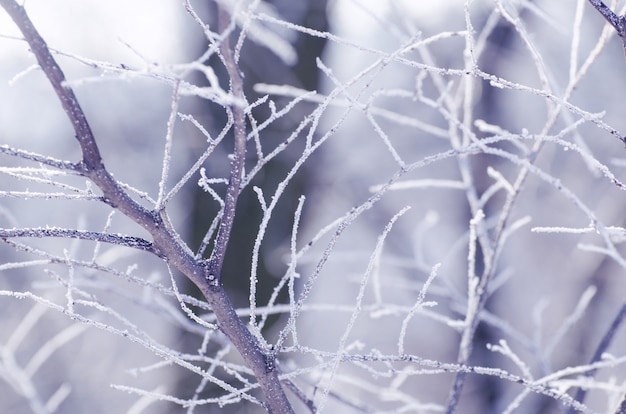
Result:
pixel 618 22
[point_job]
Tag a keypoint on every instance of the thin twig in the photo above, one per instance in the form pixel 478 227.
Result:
pixel 128 241
pixel 43 159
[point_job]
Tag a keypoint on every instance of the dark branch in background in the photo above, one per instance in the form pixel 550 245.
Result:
pixel 165 241
pixel 597 356
pixel 618 22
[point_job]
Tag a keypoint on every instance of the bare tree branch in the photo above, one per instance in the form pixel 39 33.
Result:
pixel 165 242
pixel 616 21
pixel 128 241
pixel 239 153
pixel 39 48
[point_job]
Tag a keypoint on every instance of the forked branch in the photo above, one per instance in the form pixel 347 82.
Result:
pixel 165 242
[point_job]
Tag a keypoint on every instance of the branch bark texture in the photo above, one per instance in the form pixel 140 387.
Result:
pixel 618 22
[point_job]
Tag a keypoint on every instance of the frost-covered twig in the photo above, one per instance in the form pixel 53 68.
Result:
pixel 43 159
pixel 214 264
pixel 128 241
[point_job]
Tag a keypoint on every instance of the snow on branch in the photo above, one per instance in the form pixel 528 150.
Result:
pixel 127 241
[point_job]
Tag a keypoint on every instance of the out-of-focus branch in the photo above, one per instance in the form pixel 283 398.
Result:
pixel 465 348
pixel 597 356
pixel 618 22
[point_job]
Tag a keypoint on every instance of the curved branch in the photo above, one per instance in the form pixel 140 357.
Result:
pixel 39 48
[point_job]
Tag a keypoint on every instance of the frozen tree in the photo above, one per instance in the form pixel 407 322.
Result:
pixel 437 196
